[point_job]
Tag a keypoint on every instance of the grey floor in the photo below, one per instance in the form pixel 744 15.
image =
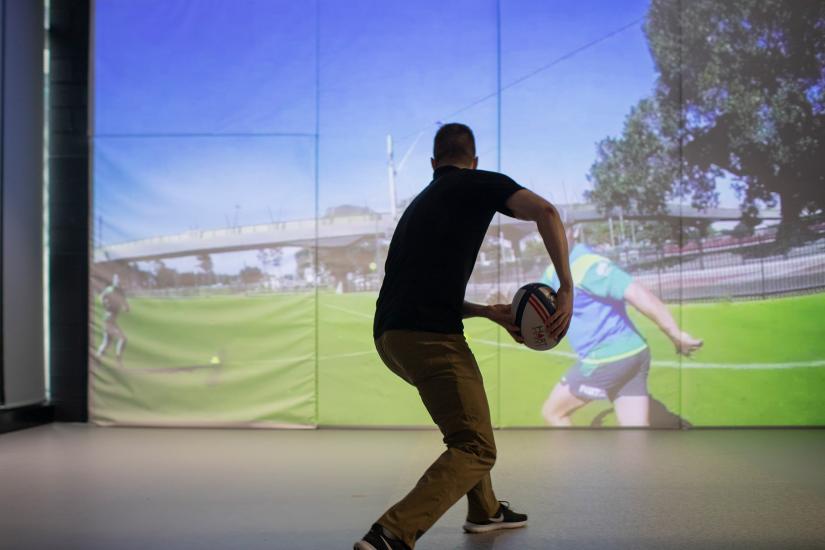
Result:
pixel 77 486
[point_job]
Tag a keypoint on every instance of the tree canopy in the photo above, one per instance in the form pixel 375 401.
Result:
pixel 740 94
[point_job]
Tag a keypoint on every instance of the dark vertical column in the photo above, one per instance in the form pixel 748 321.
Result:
pixel 498 216
pixel 2 158
pixel 681 299
pixel 22 203
pixel 317 178
pixel 69 185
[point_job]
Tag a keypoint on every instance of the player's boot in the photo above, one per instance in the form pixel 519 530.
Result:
pixel 376 540
pixel 505 519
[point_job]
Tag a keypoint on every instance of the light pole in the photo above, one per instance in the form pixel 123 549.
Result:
pixel 391 177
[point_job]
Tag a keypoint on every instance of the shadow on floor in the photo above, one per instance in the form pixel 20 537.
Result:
pixel 660 417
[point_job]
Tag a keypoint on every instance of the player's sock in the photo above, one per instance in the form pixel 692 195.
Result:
pixel 121 347
pixel 505 519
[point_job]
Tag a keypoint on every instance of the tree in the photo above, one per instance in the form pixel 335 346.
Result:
pixel 636 172
pixel 642 170
pixel 269 258
pixel 355 259
pixel 207 267
pixel 165 277
pixel 187 279
pixel 251 275
pixel 745 79
pixel 304 260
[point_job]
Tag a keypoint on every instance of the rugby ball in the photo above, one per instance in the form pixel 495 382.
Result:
pixel 533 305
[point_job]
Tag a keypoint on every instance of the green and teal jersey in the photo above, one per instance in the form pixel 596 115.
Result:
pixel 600 331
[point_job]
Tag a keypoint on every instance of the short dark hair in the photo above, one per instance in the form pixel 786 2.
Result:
pixel 454 142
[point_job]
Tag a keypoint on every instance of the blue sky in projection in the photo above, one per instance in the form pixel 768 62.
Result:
pixel 205 109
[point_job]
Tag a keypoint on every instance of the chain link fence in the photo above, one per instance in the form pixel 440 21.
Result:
pixel 711 269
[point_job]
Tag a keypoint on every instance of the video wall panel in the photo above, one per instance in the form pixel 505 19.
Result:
pixel 564 57
pixel 204 208
pixel 386 78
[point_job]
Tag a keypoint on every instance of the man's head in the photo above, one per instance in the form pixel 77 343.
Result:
pixel 455 145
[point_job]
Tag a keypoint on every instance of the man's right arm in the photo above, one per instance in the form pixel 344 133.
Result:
pixel 526 205
pixel 653 308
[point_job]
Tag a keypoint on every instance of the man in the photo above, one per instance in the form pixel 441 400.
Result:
pixel 418 331
pixel 114 301
pixel 614 359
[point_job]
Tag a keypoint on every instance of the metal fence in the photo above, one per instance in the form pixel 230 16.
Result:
pixel 711 269
pixel 717 268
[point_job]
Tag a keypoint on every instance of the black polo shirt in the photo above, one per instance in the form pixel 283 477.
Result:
pixel 434 249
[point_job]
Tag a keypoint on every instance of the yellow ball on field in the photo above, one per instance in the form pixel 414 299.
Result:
pixel 215 360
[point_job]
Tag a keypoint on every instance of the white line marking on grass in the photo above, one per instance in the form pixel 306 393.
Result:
pixel 253 363
pixel 689 364
pixel 265 362
pixel 521 347
pixel 342 355
pixel 686 364
pixel 351 312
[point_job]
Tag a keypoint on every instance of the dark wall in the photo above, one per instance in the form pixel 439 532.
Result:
pixel 68 41
pixel 21 119
pixel 2 158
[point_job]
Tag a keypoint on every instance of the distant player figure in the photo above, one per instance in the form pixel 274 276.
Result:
pixel 614 359
pixel 419 333
pixel 114 302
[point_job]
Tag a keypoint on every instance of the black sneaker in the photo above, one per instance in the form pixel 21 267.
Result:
pixel 375 540
pixel 505 519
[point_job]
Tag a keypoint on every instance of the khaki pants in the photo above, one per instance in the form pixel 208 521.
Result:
pixel 443 369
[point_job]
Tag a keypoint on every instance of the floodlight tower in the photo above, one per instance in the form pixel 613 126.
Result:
pixel 391 172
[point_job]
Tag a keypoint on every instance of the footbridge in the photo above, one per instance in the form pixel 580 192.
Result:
pixel 344 231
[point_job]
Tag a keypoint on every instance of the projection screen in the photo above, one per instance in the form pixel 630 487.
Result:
pixel 251 160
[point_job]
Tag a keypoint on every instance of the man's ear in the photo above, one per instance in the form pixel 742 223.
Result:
pixel 475 163
pixel 432 163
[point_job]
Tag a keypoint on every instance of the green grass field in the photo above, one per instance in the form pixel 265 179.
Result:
pixel 236 359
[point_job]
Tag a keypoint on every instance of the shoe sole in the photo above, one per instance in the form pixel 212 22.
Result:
pixel 474 528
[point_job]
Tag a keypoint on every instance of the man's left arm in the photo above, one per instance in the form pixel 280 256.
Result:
pixel 526 205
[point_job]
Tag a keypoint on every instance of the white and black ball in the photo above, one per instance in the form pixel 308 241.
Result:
pixel 533 305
